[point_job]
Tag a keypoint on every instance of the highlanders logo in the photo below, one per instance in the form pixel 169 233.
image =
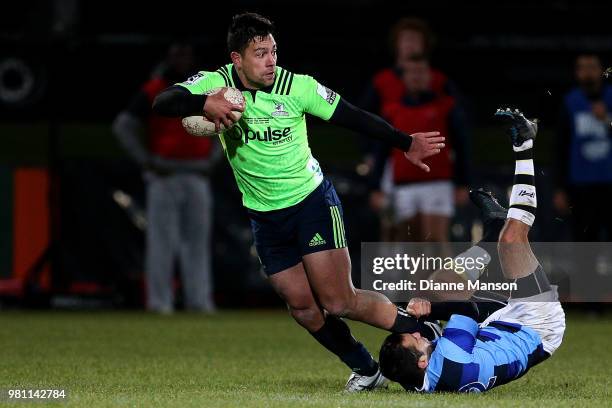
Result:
pixel 279 110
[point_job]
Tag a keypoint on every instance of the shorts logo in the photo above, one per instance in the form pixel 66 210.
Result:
pixel 317 240
pixel 279 110
pixel 326 93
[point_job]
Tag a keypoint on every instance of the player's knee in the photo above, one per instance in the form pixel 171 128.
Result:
pixel 309 317
pixel 337 307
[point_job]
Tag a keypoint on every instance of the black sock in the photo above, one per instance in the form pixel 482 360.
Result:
pixel 335 336
pixel 532 284
pixel 404 323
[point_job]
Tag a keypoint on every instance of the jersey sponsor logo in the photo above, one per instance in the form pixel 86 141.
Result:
pixel 279 110
pixel 274 136
pixel 326 93
pixel 194 78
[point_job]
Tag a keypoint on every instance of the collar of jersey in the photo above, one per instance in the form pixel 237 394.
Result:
pixel 425 386
pixel 241 87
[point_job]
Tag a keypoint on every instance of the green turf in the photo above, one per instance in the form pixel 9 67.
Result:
pixel 252 359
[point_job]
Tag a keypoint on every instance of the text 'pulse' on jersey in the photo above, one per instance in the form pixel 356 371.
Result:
pixel 268 148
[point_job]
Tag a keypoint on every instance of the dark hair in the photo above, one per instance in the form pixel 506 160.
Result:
pixel 411 24
pixel 247 27
pixel 400 364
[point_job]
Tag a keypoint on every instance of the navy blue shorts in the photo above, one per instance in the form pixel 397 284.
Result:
pixel 283 237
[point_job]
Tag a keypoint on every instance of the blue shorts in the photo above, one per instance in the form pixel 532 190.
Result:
pixel 283 237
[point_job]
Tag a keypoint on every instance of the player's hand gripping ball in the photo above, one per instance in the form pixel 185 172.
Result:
pixel 223 107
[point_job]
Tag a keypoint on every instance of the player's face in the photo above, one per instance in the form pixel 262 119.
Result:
pixel 409 43
pixel 416 342
pixel 258 62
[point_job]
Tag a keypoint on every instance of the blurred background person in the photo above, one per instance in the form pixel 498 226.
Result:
pixel 411 42
pixel 423 203
pixel 584 153
pixel 176 169
pixel 408 37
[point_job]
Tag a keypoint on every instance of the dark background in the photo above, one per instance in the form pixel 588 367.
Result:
pixel 504 51
pixel 89 57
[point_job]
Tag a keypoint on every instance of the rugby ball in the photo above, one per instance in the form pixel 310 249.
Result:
pixel 201 126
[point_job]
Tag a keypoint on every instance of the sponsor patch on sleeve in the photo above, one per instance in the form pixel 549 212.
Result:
pixel 326 93
pixel 194 78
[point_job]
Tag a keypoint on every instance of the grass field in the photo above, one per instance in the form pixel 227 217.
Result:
pixel 253 359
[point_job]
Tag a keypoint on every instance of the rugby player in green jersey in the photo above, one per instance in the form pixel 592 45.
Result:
pixel 295 213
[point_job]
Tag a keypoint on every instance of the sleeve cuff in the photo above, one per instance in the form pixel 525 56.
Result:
pixel 195 104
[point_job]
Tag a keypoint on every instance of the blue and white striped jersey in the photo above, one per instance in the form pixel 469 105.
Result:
pixel 469 358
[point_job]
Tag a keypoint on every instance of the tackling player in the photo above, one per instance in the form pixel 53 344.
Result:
pixel 295 213
pixel 474 358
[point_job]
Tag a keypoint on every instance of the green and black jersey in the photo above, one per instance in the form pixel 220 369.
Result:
pixel 268 148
